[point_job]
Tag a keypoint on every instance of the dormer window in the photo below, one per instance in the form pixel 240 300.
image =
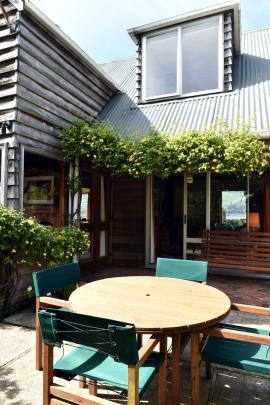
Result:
pixel 183 61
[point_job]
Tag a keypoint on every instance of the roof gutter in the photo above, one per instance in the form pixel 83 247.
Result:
pixel 194 15
pixel 68 43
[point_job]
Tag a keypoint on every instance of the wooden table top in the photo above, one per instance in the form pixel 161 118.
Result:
pixel 152 304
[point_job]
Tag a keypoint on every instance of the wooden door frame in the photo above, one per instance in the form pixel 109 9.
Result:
pixel 95 226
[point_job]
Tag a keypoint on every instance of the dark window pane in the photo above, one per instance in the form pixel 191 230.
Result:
pixel 256 203
pixel 228 202
pixel 196 206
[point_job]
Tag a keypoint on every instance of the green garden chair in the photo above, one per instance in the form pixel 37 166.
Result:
pixel 192 270
pixel 46 282
pixel 241 347
pixel 104 351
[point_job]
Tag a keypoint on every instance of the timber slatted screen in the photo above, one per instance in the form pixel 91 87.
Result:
pixel 237 250
pixel 128 221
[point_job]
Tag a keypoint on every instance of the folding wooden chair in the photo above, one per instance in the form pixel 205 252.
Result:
pixel 105 352
pixel 46 282
pixel 242 347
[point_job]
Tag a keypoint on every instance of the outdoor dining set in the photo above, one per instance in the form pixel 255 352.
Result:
pixel 118 332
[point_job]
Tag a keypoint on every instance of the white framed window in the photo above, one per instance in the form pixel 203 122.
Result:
pixel 183 61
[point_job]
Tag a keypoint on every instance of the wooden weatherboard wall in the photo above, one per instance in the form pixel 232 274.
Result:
pixel 54 88
pixel 44 86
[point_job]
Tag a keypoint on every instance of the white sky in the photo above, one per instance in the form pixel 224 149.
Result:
pixel 99 27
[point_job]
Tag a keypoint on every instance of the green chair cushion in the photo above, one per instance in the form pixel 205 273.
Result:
pixel 192 270
pixel 97 366
pixel 242 355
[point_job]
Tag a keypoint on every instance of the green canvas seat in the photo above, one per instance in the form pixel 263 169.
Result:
pixel 192 270
pixel 100 367
pixel 46 282
pixel 238 354
pixel 105 350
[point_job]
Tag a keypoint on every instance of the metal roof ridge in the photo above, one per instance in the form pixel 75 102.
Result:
pixel 255 30
pixel 105 62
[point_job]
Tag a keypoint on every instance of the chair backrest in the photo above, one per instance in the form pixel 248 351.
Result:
pixel 192 270
pixel 56 278
pixel 117 339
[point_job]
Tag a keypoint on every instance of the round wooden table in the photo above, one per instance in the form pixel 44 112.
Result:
pixel 157 305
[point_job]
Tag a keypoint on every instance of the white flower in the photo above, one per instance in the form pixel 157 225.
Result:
pixel 29 288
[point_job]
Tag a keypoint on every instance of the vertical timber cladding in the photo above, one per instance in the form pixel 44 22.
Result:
pixel 228 50
pixel 128 221
pixel 8 86
pixel 13 178
pixel 8 66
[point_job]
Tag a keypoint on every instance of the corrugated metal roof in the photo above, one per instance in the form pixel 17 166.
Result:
pixel 249 100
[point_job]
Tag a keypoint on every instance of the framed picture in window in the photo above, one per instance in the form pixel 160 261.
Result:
pixel 39 190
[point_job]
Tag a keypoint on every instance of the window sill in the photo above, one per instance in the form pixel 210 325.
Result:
pixel 182 97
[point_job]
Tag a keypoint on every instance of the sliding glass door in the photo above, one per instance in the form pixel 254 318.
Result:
pixel 195 213
pixel 186 205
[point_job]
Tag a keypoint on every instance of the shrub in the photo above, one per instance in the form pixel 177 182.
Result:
pixel 24 241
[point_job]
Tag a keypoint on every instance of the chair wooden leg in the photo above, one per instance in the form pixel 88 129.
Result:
pixel 38 340
pixel 139 340
pixel 82 382
pixel 176 369
pixel 162 375
pixel 38 349
pixel 208 370
pixel 92 388
pixel 133 385
pixel 47 373
pixel 195 368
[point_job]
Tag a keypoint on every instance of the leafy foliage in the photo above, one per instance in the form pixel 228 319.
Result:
pixel 220 149
pixel 23 241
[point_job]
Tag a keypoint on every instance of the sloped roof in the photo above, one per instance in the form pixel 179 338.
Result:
pixel 249 100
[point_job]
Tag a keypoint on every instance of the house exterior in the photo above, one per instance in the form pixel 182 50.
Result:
pixel 46 83
pixel 189 72
pixel 218 74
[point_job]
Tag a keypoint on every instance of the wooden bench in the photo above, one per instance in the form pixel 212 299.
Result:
pixel 238 250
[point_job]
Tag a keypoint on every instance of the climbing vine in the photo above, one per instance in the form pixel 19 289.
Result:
pixel 221 149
